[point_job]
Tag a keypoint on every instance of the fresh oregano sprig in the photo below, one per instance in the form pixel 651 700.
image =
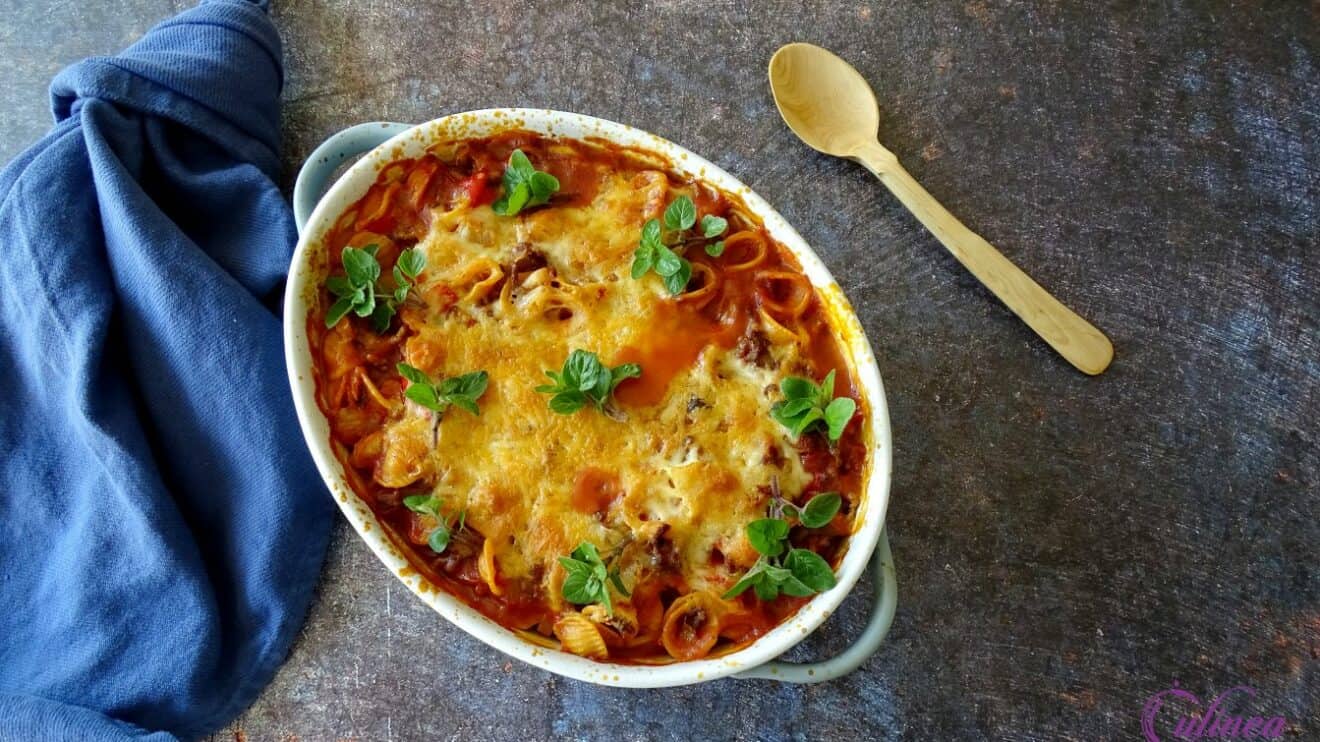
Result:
pixel 780 568
pixel 806 404
pixel 584 379
pixel 524 186
pixel 656 249
pixel 431 505
pixel 589 578
pixel 357 290
pixel 459 391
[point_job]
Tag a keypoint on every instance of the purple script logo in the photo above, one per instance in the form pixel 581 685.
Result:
pixel 1212 721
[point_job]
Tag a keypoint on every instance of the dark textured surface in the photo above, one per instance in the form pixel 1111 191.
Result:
pixel 1066 546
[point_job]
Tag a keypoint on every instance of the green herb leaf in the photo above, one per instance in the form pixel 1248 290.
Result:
pixel 617 581
pixel 413 374
pixel 359 293
pixel 360 265
pixel 425 395
pixel 566 403
pixel 713 226
pixel 748 580
pixel 381 315
pixel 766 588
pixel 767 535
pixel 661 252
pixel 430 505
pixel 584 379
pixel 678 281
pixel 367 304
pixel 681 214
pixel 837 415
pixel 580 588
pixel 810 569
pixel 791 409
pixel 339 285
pixel 795 587
pixel 338 310
pixel 799 572
pixel 583 370
pixel 461 391
pixel 796 387
pixel 466 403
pixel 439 538
pixel 544 185
pixel 820 510
pixel 573 566
pixel 667 262
pixel 523 186
pixel 651 232
pixel 514 199
pixel 411 262
pixel 624 371
pixel 423 503
pixel 471 385
pixel 587 553
pixel 589 578
pixel 520 164
pixel 643 260
pixel 805 404
pixel 827 388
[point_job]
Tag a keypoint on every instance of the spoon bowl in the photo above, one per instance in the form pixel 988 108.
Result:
pixel 830 106
pixel 823 99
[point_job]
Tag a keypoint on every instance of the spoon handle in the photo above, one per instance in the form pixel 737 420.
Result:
pixel 1077 340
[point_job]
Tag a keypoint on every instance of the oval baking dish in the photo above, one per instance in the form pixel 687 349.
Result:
pixel 308 271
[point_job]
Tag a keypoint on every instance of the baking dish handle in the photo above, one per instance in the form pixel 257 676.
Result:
pixel 332 153
pixel 882 615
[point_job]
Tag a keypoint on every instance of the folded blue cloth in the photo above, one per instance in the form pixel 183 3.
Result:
pixel 161 523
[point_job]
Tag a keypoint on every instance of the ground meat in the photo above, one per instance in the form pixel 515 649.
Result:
pixel 527 259
pixel 754 347
pixel 819 461
pixel 388 498
pixel 660 549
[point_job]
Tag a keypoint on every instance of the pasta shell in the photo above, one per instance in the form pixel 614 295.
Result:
pixel 692 625
pixel 486 568
pixel 617 629
pixel 580 636
pixel 405 453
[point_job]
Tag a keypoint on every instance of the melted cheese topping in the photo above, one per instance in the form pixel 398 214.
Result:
pixel 701 460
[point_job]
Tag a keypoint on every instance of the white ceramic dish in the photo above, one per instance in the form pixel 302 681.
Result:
pixel 307 272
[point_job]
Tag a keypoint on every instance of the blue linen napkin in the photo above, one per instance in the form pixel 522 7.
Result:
pixel 161 523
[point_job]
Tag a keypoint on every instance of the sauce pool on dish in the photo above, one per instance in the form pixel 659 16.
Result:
pixel 590 398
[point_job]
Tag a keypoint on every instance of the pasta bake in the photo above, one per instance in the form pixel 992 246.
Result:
pixel 589 397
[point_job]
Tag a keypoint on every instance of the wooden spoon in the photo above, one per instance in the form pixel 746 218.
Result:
pixel 831 107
